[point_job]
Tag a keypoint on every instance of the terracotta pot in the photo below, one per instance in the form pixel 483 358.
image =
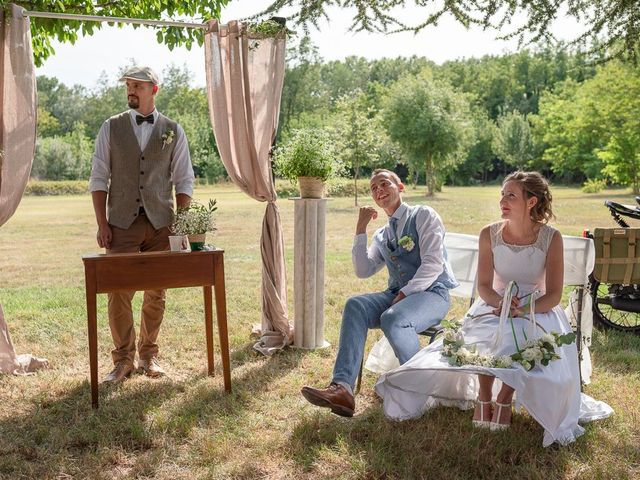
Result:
pixel 311 187
pixel 196 241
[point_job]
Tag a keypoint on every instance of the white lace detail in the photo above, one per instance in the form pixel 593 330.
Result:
pixel 542 242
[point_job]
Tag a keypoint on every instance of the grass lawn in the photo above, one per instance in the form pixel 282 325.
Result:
pixel 184 426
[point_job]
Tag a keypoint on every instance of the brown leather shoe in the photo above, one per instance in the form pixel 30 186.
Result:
pixel 119 374
pixel 335 397
pixel 151 368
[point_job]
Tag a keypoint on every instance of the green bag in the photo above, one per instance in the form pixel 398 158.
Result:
pixel 617 255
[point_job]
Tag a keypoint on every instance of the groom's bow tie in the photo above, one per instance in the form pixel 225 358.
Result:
pixel 140 119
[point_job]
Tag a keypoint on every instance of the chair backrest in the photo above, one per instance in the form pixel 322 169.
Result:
pixel 462 253
pixel 579 259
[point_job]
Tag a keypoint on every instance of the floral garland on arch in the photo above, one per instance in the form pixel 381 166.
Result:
pixel 541 350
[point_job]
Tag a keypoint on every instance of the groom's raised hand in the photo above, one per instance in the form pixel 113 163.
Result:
pixel 365 215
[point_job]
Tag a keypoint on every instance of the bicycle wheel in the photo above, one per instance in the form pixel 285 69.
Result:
pixel 609 317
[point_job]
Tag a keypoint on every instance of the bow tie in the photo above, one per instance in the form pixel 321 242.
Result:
pixel 140 119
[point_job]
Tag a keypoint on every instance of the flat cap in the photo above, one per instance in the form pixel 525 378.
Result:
pixel 143 74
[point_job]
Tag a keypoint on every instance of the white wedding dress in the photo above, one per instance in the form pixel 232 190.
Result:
pixel 551 394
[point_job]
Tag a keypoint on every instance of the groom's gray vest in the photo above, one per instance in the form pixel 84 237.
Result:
pixel 403 264
pixel 140 178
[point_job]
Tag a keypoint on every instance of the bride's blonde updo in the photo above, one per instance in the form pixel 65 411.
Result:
pixel 534 185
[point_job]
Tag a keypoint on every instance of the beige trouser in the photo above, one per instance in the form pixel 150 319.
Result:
pixel 139 237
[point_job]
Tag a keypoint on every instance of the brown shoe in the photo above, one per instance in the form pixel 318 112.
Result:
pixel 151 368
pixel 119 374
pixel 335 397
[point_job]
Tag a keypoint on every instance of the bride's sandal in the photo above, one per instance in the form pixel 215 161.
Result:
pixel 482 423
pixel 497 414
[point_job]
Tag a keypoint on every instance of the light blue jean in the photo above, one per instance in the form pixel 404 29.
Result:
pixel 400 323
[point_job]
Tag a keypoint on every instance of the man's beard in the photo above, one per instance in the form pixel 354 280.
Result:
pixel 134 102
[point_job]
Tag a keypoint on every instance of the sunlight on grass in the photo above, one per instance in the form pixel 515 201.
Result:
pixel 185 426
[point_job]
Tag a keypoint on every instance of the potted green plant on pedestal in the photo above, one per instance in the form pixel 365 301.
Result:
pixel 308 156
pixel 195 221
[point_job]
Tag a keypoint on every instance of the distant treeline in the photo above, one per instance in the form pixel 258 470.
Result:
pixel 468 121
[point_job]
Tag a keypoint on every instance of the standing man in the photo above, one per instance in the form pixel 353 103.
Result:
pixel 140 156
pixel 417 296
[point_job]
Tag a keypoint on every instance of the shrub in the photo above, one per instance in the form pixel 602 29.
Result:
pixel 594 185
pixel 63 187
pixel 344 187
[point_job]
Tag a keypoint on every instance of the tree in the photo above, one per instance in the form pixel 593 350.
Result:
pixel 430 121
pixel 59 106
pixel 568 144
pixel 66 157
pixel 594 128
pixel 188 106
pixel 480 157
pixel 359 136
pixel 512 141
pixel 617 22
pixel 614 101
pixel 45 29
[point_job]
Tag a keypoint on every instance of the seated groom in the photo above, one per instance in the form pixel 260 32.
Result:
pixel 417 296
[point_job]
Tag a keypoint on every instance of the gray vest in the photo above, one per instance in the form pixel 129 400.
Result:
pixel 140 178
pixel 403 264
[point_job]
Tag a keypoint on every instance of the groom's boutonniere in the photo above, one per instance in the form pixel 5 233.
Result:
pixel 407 243
pixel 167 138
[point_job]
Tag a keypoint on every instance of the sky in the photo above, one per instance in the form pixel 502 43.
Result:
pixel 110 48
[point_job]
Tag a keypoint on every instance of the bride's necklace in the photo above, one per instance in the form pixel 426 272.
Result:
pixel 528 239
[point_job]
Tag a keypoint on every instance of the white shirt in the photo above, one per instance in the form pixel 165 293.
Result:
pixel 181 170
pixel 368 261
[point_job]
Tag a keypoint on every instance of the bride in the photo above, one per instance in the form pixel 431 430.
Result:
pixel 524 250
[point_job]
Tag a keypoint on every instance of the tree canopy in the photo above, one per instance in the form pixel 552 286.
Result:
pixel 616 22
pixel 43 30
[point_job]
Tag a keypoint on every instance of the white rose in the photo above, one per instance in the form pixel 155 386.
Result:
pixel 529 354
pixel 537 354
pixel 548 338
pixel 504 362
pixel 463 354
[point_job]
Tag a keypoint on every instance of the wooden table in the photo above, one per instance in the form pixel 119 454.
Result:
pixel 105 273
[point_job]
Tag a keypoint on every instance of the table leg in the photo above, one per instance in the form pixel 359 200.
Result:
pixel 208 327
pixel 221 315
pixel 92 325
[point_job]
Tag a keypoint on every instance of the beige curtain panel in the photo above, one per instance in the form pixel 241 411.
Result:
pixel 17 143
pixel 17 111
pixel 244 86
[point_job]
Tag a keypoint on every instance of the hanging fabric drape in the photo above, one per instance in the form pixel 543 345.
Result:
pixel 17 111
pixel 244 86
pixel 17 144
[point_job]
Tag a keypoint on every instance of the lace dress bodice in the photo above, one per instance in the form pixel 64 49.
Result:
pixel 523 264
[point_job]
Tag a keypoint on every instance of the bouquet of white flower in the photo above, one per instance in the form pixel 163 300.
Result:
pixel 540 350
pixel 195 219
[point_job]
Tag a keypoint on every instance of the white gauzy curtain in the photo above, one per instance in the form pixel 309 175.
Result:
pixel 17 144
pixel 244 86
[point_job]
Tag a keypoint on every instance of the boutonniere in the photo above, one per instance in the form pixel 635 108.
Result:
pixel 167 138
pixel 407 243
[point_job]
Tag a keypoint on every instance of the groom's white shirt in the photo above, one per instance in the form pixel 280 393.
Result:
pixel 368 261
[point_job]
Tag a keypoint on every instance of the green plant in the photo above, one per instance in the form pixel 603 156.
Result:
pixel 194 219
pixel 308 153
pixel 594 185
pixel 268 28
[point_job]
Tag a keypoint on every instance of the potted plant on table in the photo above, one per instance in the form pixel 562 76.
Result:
pixel 195 221
pixel 309 157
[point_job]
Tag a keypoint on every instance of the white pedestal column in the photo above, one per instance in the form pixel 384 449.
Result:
pixel 308 272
